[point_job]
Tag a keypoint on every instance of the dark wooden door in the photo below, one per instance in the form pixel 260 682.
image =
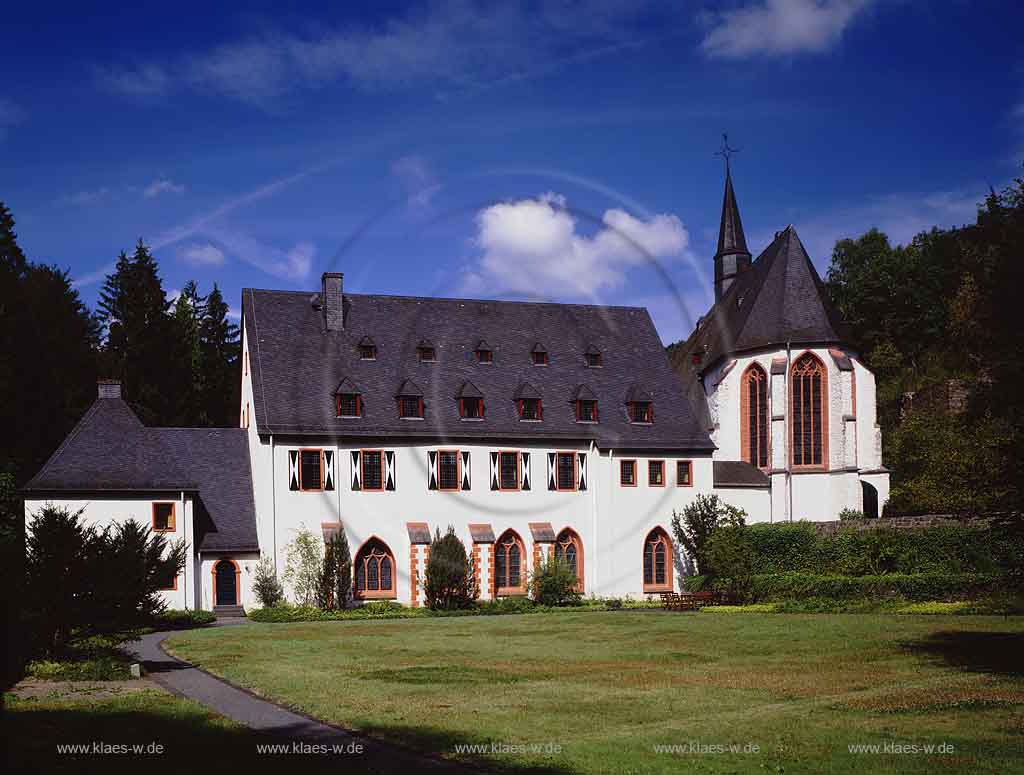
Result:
pixel 227 588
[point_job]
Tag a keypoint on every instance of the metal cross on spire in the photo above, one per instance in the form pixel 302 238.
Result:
pixel 726 151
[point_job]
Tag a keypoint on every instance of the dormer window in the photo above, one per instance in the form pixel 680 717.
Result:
pixel 593 358
pixel 586 410
pixel 471 408
pixel 471 402
pixel 427 353
pixel 367 349
pixel 348 400
pixel 528 403
pixel 641 412
pixel 640 405
pixel 586 404
pixel 539 355
pixel 410 401
pixel 410 407
pixel 484 353
pixel 349 405
pixel 530 409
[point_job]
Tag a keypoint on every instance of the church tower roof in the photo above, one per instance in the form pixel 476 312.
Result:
pixel 731 239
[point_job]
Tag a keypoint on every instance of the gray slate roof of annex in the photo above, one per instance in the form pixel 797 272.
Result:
pixel 297 364
pixel 110 450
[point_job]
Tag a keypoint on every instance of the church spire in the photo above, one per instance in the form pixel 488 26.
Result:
pixel 732 257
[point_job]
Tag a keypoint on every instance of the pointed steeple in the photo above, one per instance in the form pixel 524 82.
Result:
pixel 732 257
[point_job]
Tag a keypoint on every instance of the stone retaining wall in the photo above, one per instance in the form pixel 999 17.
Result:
pixel 902 523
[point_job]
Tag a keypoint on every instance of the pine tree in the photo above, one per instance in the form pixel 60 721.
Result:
pixel 133 309
pixel 218 363
pixel 188 313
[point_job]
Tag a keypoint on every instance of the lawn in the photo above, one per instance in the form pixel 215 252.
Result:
pixel 159 732
pixel 600 692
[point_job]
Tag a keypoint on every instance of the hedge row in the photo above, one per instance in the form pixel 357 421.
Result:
pixel 797 547
pixel 389 610
pixel 916 586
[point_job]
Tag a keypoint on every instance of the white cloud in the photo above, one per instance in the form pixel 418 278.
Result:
pixel 452 46
pixel 162 186
pixel 534 244
pixel 202 255
pixel 293 264
pixel 780 27
pixel 417 178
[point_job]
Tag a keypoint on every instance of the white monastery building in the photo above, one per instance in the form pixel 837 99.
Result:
pixel 530 428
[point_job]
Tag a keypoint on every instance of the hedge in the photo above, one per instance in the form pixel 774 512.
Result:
pixel 389 610
pixel 949 549
pixel 177 619
pixel 916 586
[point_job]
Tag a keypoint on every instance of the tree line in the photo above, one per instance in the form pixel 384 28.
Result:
pixel 177 361
pixel 937 322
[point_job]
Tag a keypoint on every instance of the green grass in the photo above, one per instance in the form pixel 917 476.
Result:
pixel 606 688
pixel 190 736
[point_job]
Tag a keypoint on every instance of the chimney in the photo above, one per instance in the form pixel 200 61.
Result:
pixel 109 388
pixel 331 301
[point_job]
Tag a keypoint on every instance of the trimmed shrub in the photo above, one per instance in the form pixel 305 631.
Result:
pixel 728 556
pixel 265 586
pixel 343 575
pixel 177 619
pixel 693 527
pixel 554 583
pixel 919 586
pixel 450 583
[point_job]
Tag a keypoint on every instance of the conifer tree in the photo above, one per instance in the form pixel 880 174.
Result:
pixel 218 363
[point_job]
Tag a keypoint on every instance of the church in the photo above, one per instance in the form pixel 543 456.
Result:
pixel 532 429
pixel 775 381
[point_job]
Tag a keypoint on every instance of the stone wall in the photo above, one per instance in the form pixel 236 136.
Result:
pixel 902 523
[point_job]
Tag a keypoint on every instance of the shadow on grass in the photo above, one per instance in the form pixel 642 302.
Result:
pixel 122 736
pixel 999 653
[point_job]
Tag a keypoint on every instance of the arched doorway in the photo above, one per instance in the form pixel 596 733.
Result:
pixel 870 500
pixel 225 582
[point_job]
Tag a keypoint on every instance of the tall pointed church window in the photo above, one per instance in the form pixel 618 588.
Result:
pixel 754 416
pixel 809 417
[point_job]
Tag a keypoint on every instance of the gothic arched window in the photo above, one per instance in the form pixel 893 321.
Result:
pixel 754 416
pixel 657 562
pixel 509 578
pixel 809 416
pixel 375 570
pixel 569 549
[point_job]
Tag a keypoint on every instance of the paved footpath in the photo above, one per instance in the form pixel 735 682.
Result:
pixel 274 721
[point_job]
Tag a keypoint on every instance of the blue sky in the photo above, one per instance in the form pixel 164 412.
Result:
pixel 557 151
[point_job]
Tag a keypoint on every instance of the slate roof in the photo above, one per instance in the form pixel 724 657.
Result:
pixel 779 299
pixel 110 450
pixel 738 473
pixel 297 364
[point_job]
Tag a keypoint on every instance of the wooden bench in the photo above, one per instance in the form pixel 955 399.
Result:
pixel 673 601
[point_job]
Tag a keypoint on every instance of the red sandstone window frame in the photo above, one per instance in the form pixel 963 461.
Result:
pixel 320 484
pixel 419 408
pixel 501 482
pixel 367 352
pixel 172 519
pixel 369 546
pixel 540 358
pixel 652 466
pixel 362 470
pixel 575 472
pixel 485 356
pixel 359 405
pixel 458 470
pixel 684 465
pixel 748 397
pixel 504 543
pixel 569 536
pixel 462 409
pixel 822 430
pixel 540 410
pixel 654 538
pixel 622 469
pixel 641 412
pixel 579 409
pixel 173 587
